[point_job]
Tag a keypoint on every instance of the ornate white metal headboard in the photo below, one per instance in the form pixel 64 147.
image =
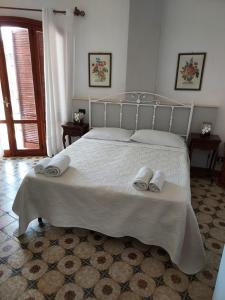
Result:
pixel 139 99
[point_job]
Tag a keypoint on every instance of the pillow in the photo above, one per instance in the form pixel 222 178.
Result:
pixel 109 133
pixel 156 137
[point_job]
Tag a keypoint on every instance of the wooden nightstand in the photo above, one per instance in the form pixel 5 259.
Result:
pixel 222 174
pixel 206 143
pixel 72 129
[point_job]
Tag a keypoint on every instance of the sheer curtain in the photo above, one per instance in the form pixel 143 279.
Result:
pixel 59 48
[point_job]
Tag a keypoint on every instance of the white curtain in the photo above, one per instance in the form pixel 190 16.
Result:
pixel 59 53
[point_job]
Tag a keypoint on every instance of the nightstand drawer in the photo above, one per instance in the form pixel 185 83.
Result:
pixel 205 145
pixel 75 132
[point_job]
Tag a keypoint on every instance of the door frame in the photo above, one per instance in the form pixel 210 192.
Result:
pixel 32 26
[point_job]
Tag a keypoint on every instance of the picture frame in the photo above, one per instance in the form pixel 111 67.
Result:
pixel 190 69
pixel 100 69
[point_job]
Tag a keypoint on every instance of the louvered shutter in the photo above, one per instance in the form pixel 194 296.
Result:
pixel 25 86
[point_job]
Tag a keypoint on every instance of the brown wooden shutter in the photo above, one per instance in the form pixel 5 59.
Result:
pixel 25 85
pixel 40 45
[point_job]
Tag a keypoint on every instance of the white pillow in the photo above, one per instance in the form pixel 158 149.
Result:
pixel 109 133
pixel 156 137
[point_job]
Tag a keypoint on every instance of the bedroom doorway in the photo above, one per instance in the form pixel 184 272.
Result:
pixel 22 115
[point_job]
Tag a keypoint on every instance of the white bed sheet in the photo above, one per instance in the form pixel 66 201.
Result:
pixel 96 193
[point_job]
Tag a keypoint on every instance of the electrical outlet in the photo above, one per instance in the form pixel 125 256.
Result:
pixel 81 110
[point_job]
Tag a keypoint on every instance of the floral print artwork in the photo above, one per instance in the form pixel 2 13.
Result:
pixel 100 69
pixel 190 71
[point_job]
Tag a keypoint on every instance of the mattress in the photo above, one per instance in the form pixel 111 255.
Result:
pixel 96 193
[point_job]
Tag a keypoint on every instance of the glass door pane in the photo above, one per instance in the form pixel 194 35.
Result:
pixel 2 109
pixel 19 68
pixel 4 141
pixel 27 136
pixel 22 122
pixel 4 137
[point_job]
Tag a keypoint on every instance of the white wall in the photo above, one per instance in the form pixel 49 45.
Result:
pixel 194 26
pixel 143 44
pixel 103 29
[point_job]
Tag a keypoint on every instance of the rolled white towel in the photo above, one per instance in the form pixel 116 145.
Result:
pixel 57 165
pixel 142 179
pixel 41 165
pixel 157 181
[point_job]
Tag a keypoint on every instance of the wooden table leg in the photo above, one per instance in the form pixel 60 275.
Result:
pixel 70 141
pixel 190 153
pixel 64 140
pixel 40 221
pixel 212 160
pixel 212 164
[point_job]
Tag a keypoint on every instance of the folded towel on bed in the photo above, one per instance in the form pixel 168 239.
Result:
pixel 157 181
pixel 142 179
pixel 41 165
pixel 57 165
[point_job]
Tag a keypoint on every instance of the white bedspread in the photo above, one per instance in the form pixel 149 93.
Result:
pixel 96 193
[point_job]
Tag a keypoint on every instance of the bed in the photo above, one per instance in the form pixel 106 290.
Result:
pixel 96 193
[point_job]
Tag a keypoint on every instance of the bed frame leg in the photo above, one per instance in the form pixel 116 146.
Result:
pixel 41 224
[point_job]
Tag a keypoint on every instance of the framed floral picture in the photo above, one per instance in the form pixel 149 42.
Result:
pixel 190 68
pixel 100 69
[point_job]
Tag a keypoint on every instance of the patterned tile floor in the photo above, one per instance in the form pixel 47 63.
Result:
pixel 56 263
